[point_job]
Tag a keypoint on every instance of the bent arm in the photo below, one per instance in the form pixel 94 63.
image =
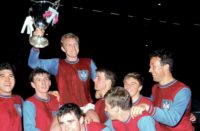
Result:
pixel 172 116
pixel 93 70
pixel 50 65
pixel 143 126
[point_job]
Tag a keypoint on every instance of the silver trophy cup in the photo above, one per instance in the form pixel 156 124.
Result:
pixel 43 13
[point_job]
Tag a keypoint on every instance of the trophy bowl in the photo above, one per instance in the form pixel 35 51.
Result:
pixel 42 12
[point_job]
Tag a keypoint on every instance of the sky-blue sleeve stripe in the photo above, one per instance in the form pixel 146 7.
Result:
pixel 29 116
pixel 172 116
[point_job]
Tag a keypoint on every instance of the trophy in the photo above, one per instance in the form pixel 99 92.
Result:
pixel 41 14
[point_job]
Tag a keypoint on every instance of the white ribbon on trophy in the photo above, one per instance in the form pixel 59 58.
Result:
pixel 28 24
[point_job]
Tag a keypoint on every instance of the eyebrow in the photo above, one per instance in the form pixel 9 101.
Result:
pixel 61 122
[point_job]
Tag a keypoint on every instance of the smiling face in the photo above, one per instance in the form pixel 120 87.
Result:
pixel 41 82
pixel 133 87
pixel 7 82
pixel 71 48
pixel 133 83
pixel 156 69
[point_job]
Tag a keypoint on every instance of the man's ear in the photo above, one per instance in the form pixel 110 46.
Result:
pixel 81 120
pixel 32 85
pixel 167 66
pixel 117 109
pixel 140 88
pixel 62 49
pixel 109 82
pixel 49 83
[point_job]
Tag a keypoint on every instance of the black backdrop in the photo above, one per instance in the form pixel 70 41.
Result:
pixel 121 41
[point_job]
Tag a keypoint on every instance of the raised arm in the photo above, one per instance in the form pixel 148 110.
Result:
pixel 50 65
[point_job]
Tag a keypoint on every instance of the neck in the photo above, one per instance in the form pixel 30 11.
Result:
pixel 101 93
pixel 43 96
pixel 135 98
pixel 166 80
pixel 72 59
pixel 83 127
pixel 124 115
pixel 6 94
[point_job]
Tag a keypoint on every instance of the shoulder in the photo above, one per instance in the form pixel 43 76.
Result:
pixel 28 105
pixel 146 100
pixel 85 59
pixel 100 101
pixel 145 118
pixel 54 99
pixel 95 126
pixel 181 85
pixel 119 126
pixel 18 98
pixel 30 98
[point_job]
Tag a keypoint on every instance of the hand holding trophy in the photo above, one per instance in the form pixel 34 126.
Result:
pixel 41 14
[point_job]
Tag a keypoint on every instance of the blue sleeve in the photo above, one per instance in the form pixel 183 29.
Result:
pixel 93 70
pixel 109 126
pixel 50 65
pixel 106 129
pixel 29 116
pixel 172 116
pixel 147 123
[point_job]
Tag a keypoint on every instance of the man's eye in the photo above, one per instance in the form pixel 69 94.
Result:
pixel 61 123
pixel 70 121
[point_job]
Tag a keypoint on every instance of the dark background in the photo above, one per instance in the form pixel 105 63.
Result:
pixel 117 34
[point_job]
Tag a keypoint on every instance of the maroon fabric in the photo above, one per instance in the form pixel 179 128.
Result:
pixel 99 108
pixel 44 111
pixel 71 88
pixel 169 93
pixel 10 118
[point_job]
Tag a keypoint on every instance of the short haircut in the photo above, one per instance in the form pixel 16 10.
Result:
pixel 120 97
pixel 166 57
pixel 136 76
pixel 7 66
pixel 37 71
pixel 109 75
pixel 70 108
pixel 69 35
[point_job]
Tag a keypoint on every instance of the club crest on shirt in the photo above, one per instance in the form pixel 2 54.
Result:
pixel 166 104
pixel 83 74
pixel 19 109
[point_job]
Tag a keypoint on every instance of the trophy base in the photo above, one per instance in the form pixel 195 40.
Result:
pixel 38 41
